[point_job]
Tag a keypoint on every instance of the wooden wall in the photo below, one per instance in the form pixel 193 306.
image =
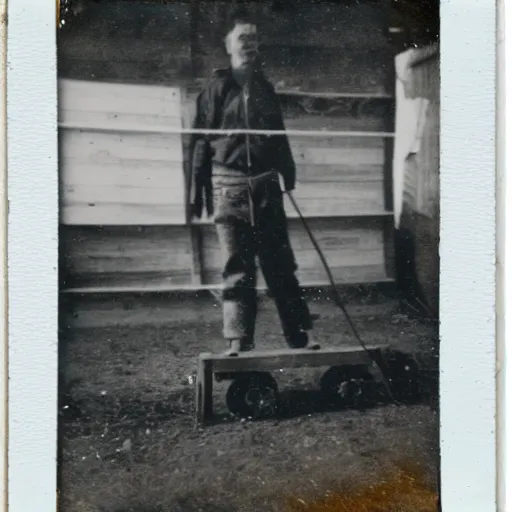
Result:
pixel 123 97
pixel 420 219
pixel 117 164
pixel 156 258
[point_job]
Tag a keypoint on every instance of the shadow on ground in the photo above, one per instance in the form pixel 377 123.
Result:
pixel 293 403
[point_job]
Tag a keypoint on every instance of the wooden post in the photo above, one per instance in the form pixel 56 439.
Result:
pixel 204 391
pixel 389 248
pixel 196 243
pixel 389 126
pixel 200 392
pixel 389 148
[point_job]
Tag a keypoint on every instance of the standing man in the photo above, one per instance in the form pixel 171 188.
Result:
pixel 237 178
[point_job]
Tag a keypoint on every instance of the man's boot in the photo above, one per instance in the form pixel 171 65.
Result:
pixel 238 345
pixel 301 339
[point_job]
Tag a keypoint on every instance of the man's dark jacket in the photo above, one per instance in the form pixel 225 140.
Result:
pixel 221 106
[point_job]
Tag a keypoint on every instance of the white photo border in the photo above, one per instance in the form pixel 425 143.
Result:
pixel 32 256
pixel 467 249
pixel 468 256
pixel 503 254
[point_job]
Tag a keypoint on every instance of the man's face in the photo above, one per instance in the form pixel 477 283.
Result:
pixel 242 44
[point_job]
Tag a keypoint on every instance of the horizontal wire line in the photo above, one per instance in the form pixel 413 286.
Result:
pixel 193 131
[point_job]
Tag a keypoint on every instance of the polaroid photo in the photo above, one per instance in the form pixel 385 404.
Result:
pixel 250 252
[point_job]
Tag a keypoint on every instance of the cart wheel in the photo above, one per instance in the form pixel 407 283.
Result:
pixel 253 395
pixel 344 384
pixel 401 371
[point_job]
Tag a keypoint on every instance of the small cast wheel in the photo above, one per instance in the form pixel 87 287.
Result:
pixel 402 374
pixel 345 384
pixel 253 395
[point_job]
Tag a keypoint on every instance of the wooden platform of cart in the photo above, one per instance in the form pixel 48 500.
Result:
pixel 210 364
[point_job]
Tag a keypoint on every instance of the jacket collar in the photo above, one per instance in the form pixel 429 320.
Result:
pixel 228 73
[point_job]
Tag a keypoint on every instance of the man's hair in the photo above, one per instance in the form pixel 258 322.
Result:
pixel 238 15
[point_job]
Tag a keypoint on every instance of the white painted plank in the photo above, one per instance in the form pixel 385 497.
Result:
pixel 349 198
pixel 154 173
pixel 331 234
pixel 361 191
pixel 328 141
pixel 353 257
pixel 109 106
pixel 332 208
pixel 112 148
pixel 150 175
pixel 116 121
pixel 122 194
pixel 114 179
pixel 336 156
pixel 309 259
pixel 339 173
pixel 117 214
pixel 94 96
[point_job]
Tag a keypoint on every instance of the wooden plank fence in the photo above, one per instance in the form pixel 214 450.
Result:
pixel 123 193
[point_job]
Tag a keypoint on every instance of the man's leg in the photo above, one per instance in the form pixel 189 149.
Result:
pixel 239 279
pixel 279 268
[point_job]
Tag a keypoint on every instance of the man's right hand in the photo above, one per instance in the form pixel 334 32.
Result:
pixel 195 210
pixel 284 188
pixel 203 196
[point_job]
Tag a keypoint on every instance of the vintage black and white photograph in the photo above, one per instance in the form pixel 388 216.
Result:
pixel 248 256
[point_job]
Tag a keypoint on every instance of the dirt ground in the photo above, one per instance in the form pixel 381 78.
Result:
pixel 127 436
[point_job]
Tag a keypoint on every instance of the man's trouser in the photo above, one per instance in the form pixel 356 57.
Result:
pixel 251 221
